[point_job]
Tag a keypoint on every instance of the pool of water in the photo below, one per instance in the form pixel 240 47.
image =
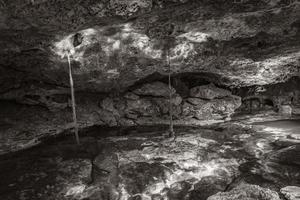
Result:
pixel 285 127
pixel 141 161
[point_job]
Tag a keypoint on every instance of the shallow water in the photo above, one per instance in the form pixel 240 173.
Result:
pixel 282 126
pixel 149 164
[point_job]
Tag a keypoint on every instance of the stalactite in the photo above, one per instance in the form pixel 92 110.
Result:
pixel 73 101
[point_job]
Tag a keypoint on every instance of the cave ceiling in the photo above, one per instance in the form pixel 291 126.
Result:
pixel 115 43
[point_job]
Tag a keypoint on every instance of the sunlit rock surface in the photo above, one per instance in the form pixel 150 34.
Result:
pixel 247 192
pixel 116 43
pixel 291 192
pixel 228 161
pixel 118 46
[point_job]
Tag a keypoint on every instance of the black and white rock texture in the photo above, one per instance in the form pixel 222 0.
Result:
pixel 291 192
pixel 247 192
pixel 116 46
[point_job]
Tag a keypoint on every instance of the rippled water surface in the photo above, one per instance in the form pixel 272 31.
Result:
pixel 282 126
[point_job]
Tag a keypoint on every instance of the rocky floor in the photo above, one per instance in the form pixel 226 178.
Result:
pixel 220 162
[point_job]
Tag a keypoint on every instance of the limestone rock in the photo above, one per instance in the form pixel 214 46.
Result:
pixel 197 101
pixel 246 192
pixel 291 192
pixel 209 92
pixel 132 96
pixel 179 190
pixel 142 107
pixel 285 110
pixel 296 110
pixel 216 108
pixel 208 186
pixel 289 155
pixel 155 89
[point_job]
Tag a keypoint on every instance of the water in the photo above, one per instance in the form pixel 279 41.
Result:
pixel 149 164
pixel 285 127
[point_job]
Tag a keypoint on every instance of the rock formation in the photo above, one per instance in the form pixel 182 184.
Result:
pixel 249 192
pixel 118 51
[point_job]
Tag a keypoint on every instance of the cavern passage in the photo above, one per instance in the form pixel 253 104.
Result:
pixel 224 73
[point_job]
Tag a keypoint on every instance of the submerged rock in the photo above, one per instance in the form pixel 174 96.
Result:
pixel 209 186
pixel 246 192
pixel 289 155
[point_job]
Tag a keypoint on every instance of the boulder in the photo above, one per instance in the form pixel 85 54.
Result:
pixel 216 108
pixel 179 190
pixel 132 96
pixel 209 92
pixel 287 156
pixel 285 110
pixel 246 192
pixel 296 110
pixel 142 107
pixel 291 192
pixel 208 186
pixel 197 101
pixel 155 89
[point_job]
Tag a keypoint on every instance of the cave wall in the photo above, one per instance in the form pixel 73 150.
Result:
pixel 49 114
pixel 226 48
pixel 283 98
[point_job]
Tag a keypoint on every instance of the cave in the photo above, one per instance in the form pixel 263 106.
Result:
pixel 149 100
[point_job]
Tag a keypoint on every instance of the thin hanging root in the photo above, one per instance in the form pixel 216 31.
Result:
pixel 73 101
pixel 170 97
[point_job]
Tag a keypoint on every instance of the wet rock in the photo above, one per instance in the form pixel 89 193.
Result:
pixel 286 142
pixel 208 186
pixel 246 192
pixel 65 179
pixel 291 192
pixel 288 156
pixel 155 89
pixel 142 177
pixel 106 174
pixel 296 110
pixel 179 190
pixel 294 137
pixel 209 92
pixel 105 168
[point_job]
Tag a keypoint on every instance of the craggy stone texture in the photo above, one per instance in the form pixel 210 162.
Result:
pixel 155 167
pixel 291 192
pixel 116 45
pixel 140 163
pixel 281 97
pixel 208 92
pixel 157 89
pixel 64 179
pixel 246 192
pixel 23 126
pixel 121 42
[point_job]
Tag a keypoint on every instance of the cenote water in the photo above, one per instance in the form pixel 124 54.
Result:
pixel 140 163
pixel 282 126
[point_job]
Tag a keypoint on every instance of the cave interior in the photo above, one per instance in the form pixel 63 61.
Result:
pixel 150 100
